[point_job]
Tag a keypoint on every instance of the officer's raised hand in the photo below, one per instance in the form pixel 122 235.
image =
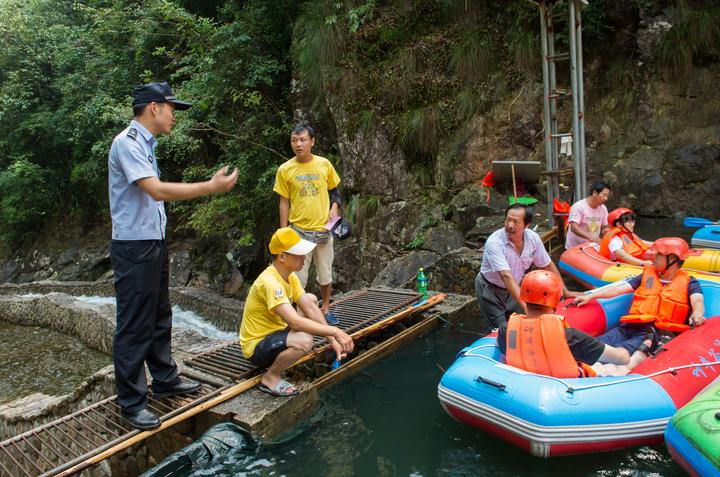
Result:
pixel 222 181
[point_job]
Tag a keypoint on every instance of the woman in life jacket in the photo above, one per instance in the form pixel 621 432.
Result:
pixel 542 343
pixel 665 298
pixel 621 243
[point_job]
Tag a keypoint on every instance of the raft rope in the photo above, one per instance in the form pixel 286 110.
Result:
pixel 598 258
pixel 572 389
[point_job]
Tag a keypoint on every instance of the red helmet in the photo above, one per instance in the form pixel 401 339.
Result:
pixel 615 215
pixel 541 287
pixel 672 246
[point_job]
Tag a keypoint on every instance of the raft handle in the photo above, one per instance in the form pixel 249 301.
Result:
pixel 492 383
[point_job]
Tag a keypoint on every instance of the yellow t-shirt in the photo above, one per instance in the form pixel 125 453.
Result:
pixel 268 291
pixel 306 185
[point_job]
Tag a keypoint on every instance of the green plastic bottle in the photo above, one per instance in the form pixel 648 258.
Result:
pixel 422 284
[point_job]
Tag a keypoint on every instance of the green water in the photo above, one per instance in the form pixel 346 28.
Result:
pixel 38 360
pixel 388 421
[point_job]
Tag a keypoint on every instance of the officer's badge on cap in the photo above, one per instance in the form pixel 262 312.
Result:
pixel 286 240
pixel 159 92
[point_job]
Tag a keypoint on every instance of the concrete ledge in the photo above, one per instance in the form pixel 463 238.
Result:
pixel 265 416
pixel 37 409
pixel 99 288
pixel 223 312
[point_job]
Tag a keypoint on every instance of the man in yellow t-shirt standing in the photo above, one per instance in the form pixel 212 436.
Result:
pixel 307 186
pixel 273 334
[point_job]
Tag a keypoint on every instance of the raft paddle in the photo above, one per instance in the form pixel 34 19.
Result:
pixel 697 222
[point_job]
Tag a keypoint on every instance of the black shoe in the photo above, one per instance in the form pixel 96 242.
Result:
pixel 180 388
pixel 143 419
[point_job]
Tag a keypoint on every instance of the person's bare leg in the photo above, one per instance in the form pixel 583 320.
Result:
pixel 283 361
pixel 639 356
pixel 298 343
pixel 325 292
pixel 614 355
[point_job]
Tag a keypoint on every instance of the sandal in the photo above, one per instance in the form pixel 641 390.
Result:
pixel 645 348
pixel 331 319
pixel 281 389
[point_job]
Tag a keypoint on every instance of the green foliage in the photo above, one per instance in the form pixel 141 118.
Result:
pixel 693 39
pixel 416 242
pixel 26 200
pixel 420 131
pixel 468 103
pixel 67 70
pixel 362 207
pixel 320 41
pixel 473 57
pixel 423 173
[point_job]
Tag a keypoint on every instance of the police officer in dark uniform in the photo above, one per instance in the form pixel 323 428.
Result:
pixel 139 253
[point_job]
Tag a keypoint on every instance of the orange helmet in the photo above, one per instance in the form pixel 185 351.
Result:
pixel 672 246
pixel 615 215
pixel 541 287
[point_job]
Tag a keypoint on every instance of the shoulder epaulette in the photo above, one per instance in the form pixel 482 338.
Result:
pixel 132 133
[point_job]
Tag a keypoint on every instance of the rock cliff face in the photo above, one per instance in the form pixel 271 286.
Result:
pixel 654 137
pixel 663 158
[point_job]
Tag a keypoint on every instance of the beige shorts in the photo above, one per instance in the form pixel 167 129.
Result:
pixel 322 256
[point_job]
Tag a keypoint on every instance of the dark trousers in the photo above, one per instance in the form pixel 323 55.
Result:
pixel 144 320
pixel 495 302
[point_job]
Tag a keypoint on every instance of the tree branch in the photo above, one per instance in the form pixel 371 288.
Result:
pixel 207 127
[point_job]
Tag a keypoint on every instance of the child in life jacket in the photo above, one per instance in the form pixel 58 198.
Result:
pixel 620 243
pixel 666 299
pixel 542 343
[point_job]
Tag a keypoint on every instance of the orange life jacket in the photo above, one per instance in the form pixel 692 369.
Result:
pixel 667 306
pixel 632 244
pixel 538 345
pixel 561 209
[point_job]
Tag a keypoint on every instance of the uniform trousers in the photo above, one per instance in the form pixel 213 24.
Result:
pixel 143 321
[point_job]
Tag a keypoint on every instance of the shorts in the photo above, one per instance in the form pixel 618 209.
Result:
pixel 584 347
pixel 269 348
pixel 322 256
pixel 626 336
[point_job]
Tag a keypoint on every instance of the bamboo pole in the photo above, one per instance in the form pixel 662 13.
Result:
pixel 240 388
pixel 377 352
pixel 512 168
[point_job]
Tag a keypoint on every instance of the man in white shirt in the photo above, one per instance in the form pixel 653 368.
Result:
pixel 508 254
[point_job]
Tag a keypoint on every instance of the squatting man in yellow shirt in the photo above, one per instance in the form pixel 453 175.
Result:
pixel 309 198
pixel 273 334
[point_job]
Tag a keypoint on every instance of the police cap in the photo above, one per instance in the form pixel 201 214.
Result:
pixel 158 92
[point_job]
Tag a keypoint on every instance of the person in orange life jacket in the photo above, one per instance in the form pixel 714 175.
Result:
pixel 621 243
pixel 666 299
pixel 541 290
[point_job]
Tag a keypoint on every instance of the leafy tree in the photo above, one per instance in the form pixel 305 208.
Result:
pixel 67 69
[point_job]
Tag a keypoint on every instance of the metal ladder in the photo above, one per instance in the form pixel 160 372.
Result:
pixel 552 93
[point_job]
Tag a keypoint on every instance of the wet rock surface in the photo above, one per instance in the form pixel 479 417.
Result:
pixel 402 271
